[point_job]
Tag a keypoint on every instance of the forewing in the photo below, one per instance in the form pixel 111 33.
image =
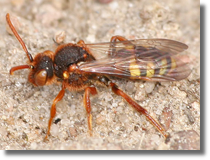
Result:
pixel 106 49
pixel 147 59
pixel 165 45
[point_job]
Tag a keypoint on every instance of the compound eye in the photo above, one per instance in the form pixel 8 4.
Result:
pixel 41 78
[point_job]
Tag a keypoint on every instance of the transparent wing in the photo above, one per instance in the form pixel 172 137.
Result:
pixel 103 50
pixel 152 60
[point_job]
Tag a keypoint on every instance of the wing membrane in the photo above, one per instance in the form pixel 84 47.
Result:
pixel 147 59
pixel 102 50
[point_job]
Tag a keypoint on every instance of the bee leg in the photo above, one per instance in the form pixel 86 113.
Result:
pixel 81 42
pixel 140 109
pixel 119 38
pixel 113 41
pixel 88 91
pixel 53 109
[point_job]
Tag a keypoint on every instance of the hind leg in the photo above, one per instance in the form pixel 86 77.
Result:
pixel 140 109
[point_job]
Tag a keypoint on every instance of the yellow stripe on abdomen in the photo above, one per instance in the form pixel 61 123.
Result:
pixel 150 69
pixel 166 65
pixel 134 68
pixel 163 66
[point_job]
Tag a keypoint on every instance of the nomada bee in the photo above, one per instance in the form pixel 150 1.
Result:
pixel 79 66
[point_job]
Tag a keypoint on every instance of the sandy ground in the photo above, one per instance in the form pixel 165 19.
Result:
pixel 25 109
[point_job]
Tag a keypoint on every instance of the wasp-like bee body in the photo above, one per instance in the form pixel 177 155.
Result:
pixel 79 66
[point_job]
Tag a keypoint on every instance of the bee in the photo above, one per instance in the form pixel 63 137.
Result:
pixel 82 66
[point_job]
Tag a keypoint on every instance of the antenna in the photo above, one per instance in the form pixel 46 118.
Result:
pixel 18 37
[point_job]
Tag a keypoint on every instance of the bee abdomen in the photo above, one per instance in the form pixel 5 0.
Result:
pixel 151 68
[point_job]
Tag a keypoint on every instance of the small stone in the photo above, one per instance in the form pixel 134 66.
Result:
pixel 166 117
pixel 100 119
pixel 186 140
pixel 149 86
pixel 54 130
pixel 129 87
pixel 73 131
pixel 59 37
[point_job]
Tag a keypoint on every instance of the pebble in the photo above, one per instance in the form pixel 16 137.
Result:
pixel 129 87
pixel 186 140
pixel 166 117
pixel 54 130
pixel 59 37
pixel 149 86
